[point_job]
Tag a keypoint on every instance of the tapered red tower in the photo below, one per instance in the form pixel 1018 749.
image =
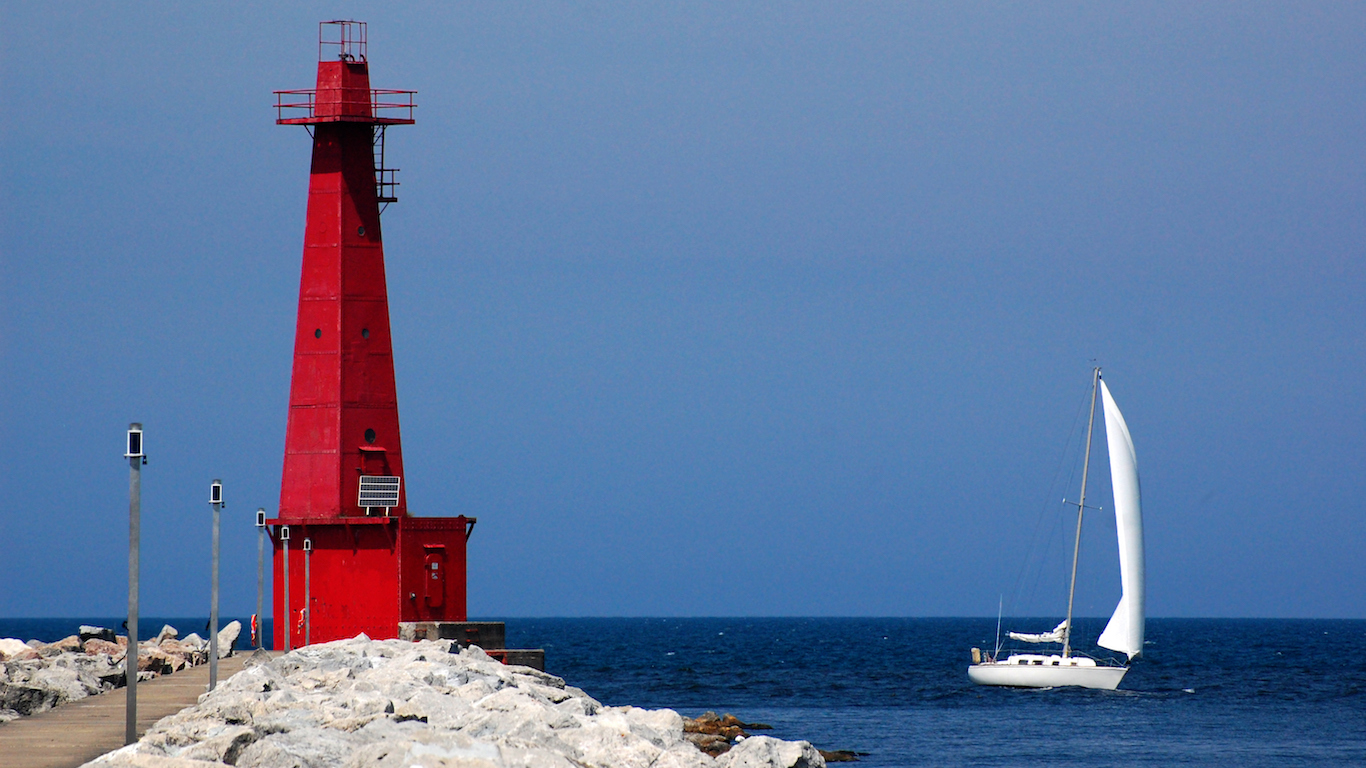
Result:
pixel 343 492
pixel 343 406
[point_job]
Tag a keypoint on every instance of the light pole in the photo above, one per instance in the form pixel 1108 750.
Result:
pixel 136 458
pixel 284 545
pixel 260 576
pixel 215 501
pixel 308 602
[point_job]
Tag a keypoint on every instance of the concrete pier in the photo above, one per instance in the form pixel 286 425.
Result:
pixel 80 731
pixel 488 635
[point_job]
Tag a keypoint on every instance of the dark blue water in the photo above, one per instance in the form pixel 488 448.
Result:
pixel 1207 692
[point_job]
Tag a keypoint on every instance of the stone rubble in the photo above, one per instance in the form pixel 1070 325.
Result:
pixel 400 704
pixel 716 734
pixel 35 676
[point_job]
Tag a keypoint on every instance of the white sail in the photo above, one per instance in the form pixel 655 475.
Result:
pixel 1124 633
pixel 1056 636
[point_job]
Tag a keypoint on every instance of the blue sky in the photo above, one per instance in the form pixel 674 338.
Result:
pixel 712 309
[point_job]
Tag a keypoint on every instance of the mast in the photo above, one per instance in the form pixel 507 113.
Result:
pixel 1081 508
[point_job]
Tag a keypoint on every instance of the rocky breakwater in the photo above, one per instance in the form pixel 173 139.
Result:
pixel 363 702
pixel 36 676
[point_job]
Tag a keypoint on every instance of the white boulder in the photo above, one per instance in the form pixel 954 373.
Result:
pixel 226 637
pixel 765 751
pixel 10 646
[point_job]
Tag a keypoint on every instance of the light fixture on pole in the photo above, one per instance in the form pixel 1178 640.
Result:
pixel 284 547
pixel 308 602
pixel 260 576
pixel 136 458
pixel 215 501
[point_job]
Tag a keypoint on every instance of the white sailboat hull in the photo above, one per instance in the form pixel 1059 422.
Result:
pixel 1016 674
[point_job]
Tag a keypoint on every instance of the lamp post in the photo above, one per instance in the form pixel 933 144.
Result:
pixel 308 602
pixel 284 545
pixel 136 458
pixel 215 501
pixel 260 576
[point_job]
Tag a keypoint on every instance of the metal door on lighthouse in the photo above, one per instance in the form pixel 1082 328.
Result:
pixel 434 574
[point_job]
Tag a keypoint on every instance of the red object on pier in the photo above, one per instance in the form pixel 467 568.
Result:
pixel 372 564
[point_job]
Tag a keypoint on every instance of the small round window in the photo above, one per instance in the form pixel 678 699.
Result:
pixel 360 230
pixel 317 333
pixel 370 436
pixel 365 333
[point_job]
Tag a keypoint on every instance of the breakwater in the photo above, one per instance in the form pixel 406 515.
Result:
pixel 365 702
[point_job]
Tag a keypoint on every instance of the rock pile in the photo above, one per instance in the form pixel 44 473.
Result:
pixel 362 702
pixel 716 734
pixel 32 683
pixel 35 676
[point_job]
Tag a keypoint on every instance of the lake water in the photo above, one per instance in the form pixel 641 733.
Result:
pixel 1206 691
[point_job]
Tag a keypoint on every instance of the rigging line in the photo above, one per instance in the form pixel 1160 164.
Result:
pixel 1000 602
pixel 1035 561
pixel 1039 540
pixel 1062 520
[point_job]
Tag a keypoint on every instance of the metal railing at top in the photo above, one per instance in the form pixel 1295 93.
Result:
pixel 342 39
pixel 385 104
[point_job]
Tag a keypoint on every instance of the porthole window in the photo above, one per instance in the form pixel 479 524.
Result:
pixel 360 230
pixel 365 333
pixel 370 436
pixel 317 333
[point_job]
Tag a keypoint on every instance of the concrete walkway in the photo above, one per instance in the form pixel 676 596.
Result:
pixel 76 733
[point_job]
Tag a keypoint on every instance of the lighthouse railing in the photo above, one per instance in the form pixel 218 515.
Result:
pixel 387 106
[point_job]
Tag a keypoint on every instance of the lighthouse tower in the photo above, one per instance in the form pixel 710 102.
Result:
pixel 348 556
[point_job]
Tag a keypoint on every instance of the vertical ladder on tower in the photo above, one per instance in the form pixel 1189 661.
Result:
pixel 386 182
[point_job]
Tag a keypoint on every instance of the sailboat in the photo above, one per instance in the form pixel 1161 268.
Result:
pixel 1124 633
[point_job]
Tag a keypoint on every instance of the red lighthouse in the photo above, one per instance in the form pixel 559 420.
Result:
pixel 348 556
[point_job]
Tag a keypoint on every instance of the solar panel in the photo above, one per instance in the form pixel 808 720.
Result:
pixel 378 491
